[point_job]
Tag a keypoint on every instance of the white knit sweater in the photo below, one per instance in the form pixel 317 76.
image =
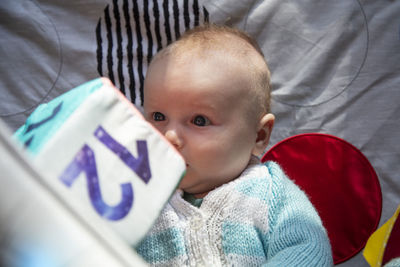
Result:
pixel 261 218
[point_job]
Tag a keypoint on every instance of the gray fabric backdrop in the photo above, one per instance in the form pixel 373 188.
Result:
pixel 335 64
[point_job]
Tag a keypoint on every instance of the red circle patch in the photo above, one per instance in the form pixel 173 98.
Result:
pixel 341 184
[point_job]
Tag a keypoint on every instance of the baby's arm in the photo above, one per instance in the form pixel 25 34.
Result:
pixel 296 235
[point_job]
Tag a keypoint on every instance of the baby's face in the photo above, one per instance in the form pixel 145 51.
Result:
pixel 202 108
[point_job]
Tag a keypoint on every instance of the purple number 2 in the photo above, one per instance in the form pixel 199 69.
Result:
pixel 84 161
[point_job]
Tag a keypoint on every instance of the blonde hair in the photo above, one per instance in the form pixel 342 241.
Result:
pixel 233 42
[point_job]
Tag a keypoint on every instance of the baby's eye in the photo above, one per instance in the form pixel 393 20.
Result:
pixel 158 116
pixel 200 121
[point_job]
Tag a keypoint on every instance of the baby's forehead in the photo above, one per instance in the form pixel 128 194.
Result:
pixel 225 51
pixel 227 61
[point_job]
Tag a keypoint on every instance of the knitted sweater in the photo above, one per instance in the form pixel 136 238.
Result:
pixel 260 218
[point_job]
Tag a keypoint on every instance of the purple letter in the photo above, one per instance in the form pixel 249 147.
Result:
pixel 85 162
pixel 139 165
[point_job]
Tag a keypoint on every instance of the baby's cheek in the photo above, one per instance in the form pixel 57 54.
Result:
pixel 209 154
pixel 218 158
pixel 158 127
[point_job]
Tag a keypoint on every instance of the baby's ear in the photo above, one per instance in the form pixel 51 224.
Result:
pixel 265 126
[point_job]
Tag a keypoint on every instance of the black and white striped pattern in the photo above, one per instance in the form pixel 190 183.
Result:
pixel 130 32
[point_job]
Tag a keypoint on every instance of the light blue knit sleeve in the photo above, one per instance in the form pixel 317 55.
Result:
pixel 296 235
pixel 393 263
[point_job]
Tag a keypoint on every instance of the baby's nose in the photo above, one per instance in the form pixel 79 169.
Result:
pixel 173 137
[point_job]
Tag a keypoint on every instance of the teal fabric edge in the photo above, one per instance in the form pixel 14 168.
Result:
pixel 49 117
pixel 192 200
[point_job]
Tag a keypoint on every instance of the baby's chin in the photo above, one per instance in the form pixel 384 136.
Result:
pixel 197 193
pixel 189 187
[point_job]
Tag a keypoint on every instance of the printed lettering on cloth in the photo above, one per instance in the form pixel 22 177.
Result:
pixel 38 226
pixel 98 145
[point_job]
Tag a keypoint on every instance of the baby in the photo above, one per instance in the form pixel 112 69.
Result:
pixel 209 94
